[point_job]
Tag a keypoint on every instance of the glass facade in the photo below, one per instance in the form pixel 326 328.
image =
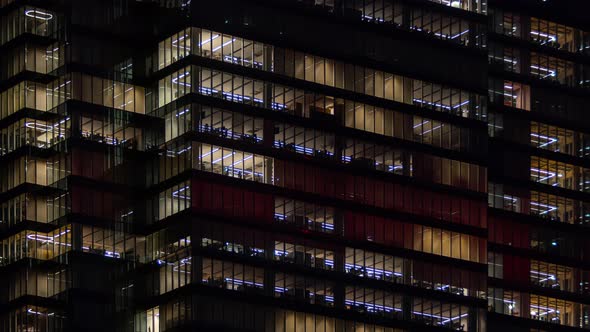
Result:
pixel 541 187
pixel 294 165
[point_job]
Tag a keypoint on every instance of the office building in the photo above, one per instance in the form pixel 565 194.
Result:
pixel 294 165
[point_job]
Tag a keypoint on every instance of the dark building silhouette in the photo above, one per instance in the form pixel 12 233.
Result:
pixel 294 165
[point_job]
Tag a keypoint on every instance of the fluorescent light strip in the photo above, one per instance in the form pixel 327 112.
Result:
pixel 238 60
pixel 372 270
pixel 461 104
pixel 182 112
pixel 230 133
pixel 243 282
pixel 223 45
pixel 209 40
pixel 210 152
pixel 421 124
pixel 374 307
pixel 551 208
pixel 184 150
pixel 505 59
pixel 514 200
pixel 421 101
pixel 542 308
pixel 396 167
pixel 126 214
pixel 325 225
pixel 550 139
pixel 31 311
pixel 237 97
pixel 183 262
pixel 44 127
pixel 370 18
pixel 430 130
pixel 220 159
pixel 245 171
pixel 175 43
pixel 550 72
pixel 544 178
pixel 541 34
pixel 177 193
pixel 242 160
pixel 175 80
pixel 543 276
pixel 49 238
pixel 40 15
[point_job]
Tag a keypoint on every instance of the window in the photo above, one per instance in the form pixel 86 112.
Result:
pixel 558 174
pixel 562 140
